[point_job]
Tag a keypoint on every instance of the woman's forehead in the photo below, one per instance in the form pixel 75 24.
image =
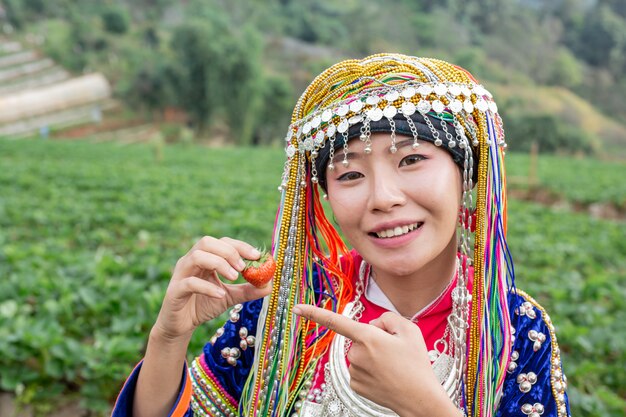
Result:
pixel 384 138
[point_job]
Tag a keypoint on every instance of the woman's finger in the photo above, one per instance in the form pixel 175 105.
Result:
pixel 198 260
pixel 196 285
pixel 245 249
pixel 336 322
pixel 240 293
pixel 231 251
pixel 222 248
pixel 394 324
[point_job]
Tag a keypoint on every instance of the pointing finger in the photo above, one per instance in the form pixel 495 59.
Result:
pixel 333 321
pixel 392 323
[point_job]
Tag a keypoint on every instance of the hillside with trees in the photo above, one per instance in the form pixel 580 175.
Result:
pixel 235 68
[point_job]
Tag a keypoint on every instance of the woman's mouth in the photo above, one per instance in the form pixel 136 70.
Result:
pixel 397 231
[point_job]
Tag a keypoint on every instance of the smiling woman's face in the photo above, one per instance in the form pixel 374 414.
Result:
pixel 398 210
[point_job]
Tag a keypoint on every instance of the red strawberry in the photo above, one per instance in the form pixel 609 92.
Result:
pixel 261 271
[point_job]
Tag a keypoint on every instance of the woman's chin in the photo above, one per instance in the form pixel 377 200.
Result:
pixel 397 267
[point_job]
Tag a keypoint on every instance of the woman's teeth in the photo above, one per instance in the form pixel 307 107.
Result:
pixel 397 231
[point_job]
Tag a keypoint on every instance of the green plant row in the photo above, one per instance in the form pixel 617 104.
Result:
pixel 577 180
pixel 575 266
pixel 91 231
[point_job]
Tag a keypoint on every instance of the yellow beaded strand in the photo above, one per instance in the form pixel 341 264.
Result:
pixel 479 248
pixel 280 256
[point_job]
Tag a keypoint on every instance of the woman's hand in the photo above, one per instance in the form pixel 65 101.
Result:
pixel 196 294
pixel 389 363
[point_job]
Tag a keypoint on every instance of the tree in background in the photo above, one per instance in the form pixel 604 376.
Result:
pixel 273 117
pixel 602 40
pixel 196 80
pixel 115 20
pixel 210 57
pixel 551 133
pixel 565 70
pixel 243 75
pixel 314 21
pixel 216 71
pixel 618 6
pixel 150 88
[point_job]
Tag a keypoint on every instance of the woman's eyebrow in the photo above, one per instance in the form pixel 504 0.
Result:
pixel 405 142
pixel 350 155
pixel 355 155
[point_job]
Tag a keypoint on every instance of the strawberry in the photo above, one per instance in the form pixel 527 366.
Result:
pixel 261 271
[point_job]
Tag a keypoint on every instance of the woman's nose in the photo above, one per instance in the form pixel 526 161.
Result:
pixel 386 192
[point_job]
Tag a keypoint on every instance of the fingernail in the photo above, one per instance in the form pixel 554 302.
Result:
pixel 256 252
pixel 241 264
pixel 296 310
pixel 232 274
pixel 221 292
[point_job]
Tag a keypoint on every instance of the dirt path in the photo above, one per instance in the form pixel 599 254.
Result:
pixel 548 198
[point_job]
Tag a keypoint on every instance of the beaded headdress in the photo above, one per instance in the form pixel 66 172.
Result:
pixel 427 99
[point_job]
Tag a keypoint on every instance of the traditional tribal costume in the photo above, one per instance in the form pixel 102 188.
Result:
pixel 492 347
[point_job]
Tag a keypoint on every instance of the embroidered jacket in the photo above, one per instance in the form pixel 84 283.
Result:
pixel 535 385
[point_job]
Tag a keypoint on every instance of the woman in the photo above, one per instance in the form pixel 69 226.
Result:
pixel 420 318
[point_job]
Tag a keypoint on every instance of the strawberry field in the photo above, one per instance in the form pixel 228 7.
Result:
pixel 575 180
pixel 91 231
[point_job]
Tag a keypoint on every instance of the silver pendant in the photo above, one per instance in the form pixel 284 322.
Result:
pixel 311 409
pixel 443 367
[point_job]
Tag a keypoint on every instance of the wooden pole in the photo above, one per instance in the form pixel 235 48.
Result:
pixel 533 179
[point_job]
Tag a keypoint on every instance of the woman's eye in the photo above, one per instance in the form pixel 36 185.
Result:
pixel 411 159
pixel 348 176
